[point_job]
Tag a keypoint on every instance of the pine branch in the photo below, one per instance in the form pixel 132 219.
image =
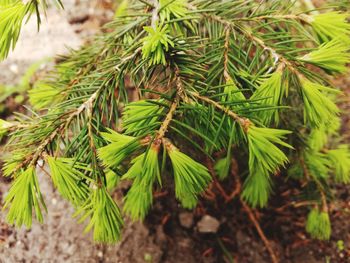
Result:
pixel 179 94
pixel 60 128
pixel 215 73
pixel 164 127
pixel 276 56
pixel 244 122
pixel 155 13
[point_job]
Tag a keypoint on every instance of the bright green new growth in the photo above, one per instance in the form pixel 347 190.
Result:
pixel 144 171
pixel 156 44
pixel 207 77
pixel 105 217
pixel 68 179
pixel 120 147
pixel 191 178
pixel 318 224
pixel 172 8
pixel 332 25
pixel 264 158
pixel 332 55
pixel 319 109
pixel 232 92
pixel 11 18
pixel 44 95
pixel 317 163
pixel 112 180
pixel 139 115
pixel 340 160
pixel 222 168
pixel 23 197
pixel 318 138
pixel 273 90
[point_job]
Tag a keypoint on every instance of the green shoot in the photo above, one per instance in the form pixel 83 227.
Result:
pixel 23 197
pixel 191 178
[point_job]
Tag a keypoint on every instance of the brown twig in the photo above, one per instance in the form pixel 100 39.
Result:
pixel 169 117
pixel 155 13
pixel 275 55
pixel 209 194
pixel 226 51
pixel 267 244
pixel 251 215
pixel 318 184
pixel 160 194
pixel 163 129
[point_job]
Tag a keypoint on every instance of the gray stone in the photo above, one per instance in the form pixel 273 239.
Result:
pixel 208 224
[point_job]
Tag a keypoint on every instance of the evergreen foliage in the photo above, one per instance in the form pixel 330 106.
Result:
pixel 318 224
pixel 4 126
pixel 330 25
pixel 105 217
pixel 144 171
pixel 273 90
pixel 211 80
pixel 318 107
pixel 332 55
pixel 23 196
pixel 264 158
pixel 191 178
pixel 340 159
pixel 68 179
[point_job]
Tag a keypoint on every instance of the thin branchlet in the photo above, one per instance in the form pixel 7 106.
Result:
pixel 244 122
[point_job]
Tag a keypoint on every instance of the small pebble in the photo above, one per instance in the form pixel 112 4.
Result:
pixel 14 68
pixel 208 224
pixel 186 219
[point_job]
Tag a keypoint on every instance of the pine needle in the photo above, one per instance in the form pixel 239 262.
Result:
pixel 331 25
pixel 106 220
pixel 24 196
pixel 340 160
pixel 68 179
pixel 191 177
pixel 144 171
pixel 4 127
pixel 172 9
pixel 332 55
pixel 264 158
pixel 318 224
pixel 318 108
pixel 43 95
pixel 156 44
pixel 119 148
pixel 141 114
pixel 272 90
pixel 11 18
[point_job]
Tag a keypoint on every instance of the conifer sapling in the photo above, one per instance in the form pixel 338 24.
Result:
pixel 169 85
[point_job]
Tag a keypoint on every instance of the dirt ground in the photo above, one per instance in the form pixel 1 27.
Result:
pixel 214 232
